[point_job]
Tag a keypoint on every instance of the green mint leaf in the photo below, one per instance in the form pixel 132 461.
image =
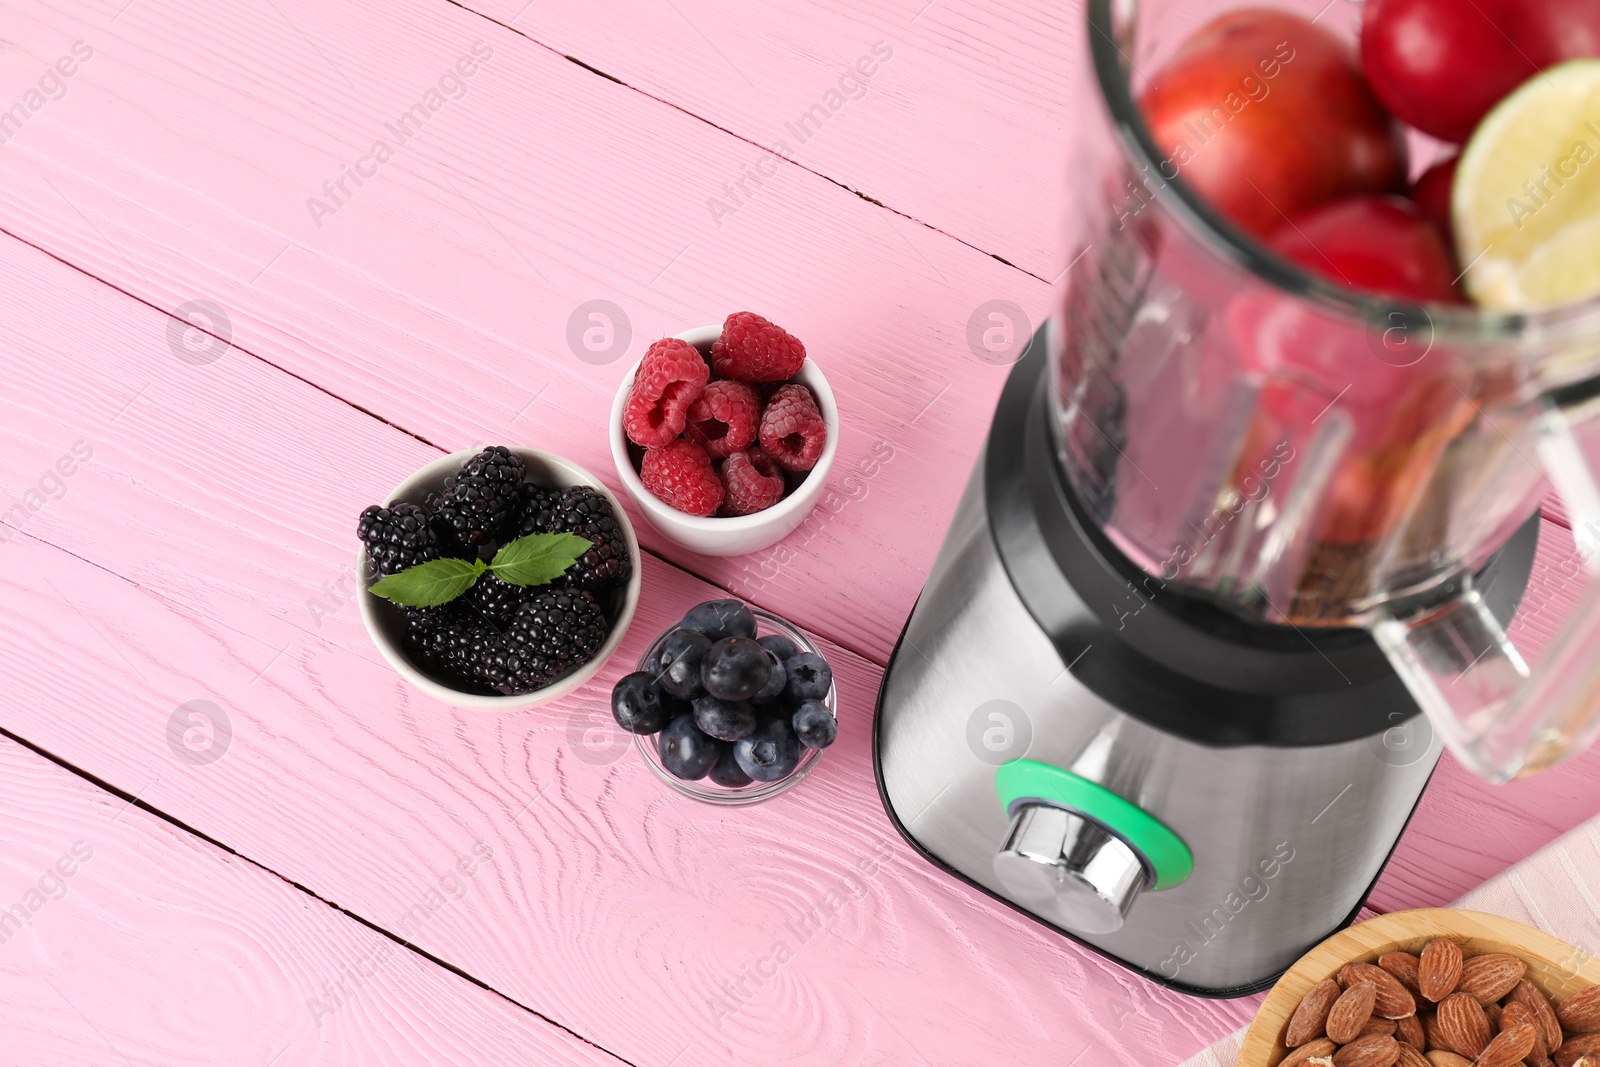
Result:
pixel 538 558
pixel 429 584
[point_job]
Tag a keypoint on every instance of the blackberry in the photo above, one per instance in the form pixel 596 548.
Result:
pixel 480 499
pixel 398 536
pixel 582 510
pixel 420 621
pixel 493 600
pixel 554 630
pixel 460 652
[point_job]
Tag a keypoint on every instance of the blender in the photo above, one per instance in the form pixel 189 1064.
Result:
pixel 1235 565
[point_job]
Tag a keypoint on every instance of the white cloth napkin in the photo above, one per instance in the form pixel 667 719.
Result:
pixel 1550 889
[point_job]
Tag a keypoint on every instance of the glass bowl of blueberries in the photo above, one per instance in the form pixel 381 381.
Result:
pixel 732 705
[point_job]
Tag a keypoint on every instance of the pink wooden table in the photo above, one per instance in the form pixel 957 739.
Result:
pixel 363 875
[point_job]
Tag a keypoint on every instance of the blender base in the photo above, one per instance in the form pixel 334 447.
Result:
pixel 1289 818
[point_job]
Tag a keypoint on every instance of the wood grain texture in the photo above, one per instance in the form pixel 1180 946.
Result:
pixel 125 940
pixel 1553 965
pixel 200 553
pixel 190 544
pixel 178 167
pixel 368 780
pixel 966 127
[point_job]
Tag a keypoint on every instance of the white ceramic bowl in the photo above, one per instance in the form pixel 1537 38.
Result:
pixel 386 624
pixel 743 533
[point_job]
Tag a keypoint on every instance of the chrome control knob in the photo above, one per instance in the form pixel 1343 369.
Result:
pixel 1069 869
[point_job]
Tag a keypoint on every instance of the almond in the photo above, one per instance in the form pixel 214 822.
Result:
pixel 1410 1057
pixel 1439 969
pixel 1351 1012
pixel 1460 1026
pixel 1409 1031
pixel 1431 1029
pixel 1580 1012
pixel 1516 1015
pixel 1376 1025
pixel 1404 966
pixel 1311 1017
pixel 1394 1001
pixel 1492 1013
pixel 1489 977
pixel 1528 995
pixel 1573 1049
pixel 1320 1049
pixel 1509 1046
pixel 1440 1058
pixel 1379 1050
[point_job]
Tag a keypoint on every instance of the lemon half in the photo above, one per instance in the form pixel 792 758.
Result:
pixel 1526 199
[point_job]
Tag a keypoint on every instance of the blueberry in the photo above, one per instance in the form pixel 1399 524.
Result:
pixel 810 678
pixel 736 668
pixel 814 726
pixel 775 680
pixel 685 751
pixel 727 771
pixel 675 705
pixel 769 754
pixel 679 660
pixel 636 701
pixel 779 646
pixel 769 709
pixel 720 618
pixel 726 720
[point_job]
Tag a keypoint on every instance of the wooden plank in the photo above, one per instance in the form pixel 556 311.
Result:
pixel 964 122
pixel 191 545
pixel 440 292
pixel 366 779
pixel 125 940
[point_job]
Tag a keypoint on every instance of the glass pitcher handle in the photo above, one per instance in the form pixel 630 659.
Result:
pixel 1500 717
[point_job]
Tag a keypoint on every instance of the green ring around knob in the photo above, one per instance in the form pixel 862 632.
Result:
pixel 1026 779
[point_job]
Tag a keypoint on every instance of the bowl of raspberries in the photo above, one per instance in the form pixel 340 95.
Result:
pixel 724 435
pixel 731 705
pixel 499 579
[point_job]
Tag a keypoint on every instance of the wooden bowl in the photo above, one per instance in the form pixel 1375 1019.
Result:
pixel 1555 967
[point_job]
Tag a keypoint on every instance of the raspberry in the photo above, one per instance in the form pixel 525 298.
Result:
pixel 753 480
pixel 724 419
pixel 792 430
pixel 398 536
pixel 669 379
pixel 480 498
pixel 752 349
pixel 586 512
pixel 680 474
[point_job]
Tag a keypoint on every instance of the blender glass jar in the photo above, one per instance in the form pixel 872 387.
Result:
pixel 1305 454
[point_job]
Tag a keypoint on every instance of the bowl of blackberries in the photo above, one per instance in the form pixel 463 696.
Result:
pixel 731 705
pixel 499 579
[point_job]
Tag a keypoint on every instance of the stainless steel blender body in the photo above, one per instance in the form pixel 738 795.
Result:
pixel 1288 791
